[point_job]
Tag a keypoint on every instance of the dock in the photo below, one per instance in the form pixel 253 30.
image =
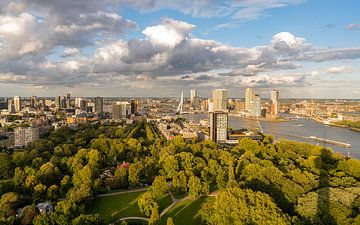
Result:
pixel 338 143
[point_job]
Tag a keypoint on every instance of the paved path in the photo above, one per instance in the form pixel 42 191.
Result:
pixel 122 192
pixel 134 218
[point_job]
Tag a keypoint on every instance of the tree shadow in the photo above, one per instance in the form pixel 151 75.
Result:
pixel 323 214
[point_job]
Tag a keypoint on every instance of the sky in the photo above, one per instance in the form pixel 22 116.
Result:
pixel 157 48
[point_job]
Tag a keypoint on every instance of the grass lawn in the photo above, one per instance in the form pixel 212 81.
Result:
pixel 186 212
pixel 124 204
pixel 164 202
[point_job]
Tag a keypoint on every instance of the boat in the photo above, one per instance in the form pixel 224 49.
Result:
pixel 300 125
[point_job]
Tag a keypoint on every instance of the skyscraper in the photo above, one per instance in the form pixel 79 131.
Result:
pixel 275 105
pixel 11 107
pixel 256 106
pixel 33 102
pixel 99 103
pixel 17 103
pixel 248 98
pixel 58 102
pixel 68 99
pixel 220 99
pixel 218 126
pixel 119 110
pixel 134 106
pixel 194 99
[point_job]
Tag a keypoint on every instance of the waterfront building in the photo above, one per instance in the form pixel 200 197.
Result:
pixel 239 105
pixel 219 97
pixel 24 135
pixel 218 121
pixel 255 110
pixel 275 105
pixel 99 104
pixel 17 103
pixel 248 98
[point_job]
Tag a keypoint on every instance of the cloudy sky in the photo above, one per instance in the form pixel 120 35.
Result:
pixel 304 48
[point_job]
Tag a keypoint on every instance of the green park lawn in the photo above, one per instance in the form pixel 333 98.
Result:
pixel 124 204
pixel 186 212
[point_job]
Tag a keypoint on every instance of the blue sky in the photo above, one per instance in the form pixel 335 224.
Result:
pixel 305 48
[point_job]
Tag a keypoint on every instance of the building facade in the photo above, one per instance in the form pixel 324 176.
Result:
pixel 219 97
pixel 24 135
pixel 275 105
pixel 218 122
pixel 99 105
pixel 248 98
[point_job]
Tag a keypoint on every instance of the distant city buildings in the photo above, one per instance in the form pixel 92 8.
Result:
pixel 218 122
pixel 220 99
pixel 24 135
pixel 99 105
pixel 33 102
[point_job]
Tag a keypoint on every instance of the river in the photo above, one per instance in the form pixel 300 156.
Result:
pixel 298 130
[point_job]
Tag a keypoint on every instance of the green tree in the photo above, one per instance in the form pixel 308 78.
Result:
pixel 195 186
pixel 159 187
pixel 134 173
pixel 238 206
pixel 8 205
pixel 91 219
pixel 170 221
pixel 154 217
pixel 146 203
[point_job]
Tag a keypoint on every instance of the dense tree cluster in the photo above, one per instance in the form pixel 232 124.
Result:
pixel 254 182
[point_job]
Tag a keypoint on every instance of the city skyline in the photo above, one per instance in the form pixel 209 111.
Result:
pixel 304 49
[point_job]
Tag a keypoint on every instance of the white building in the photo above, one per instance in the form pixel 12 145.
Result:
pixel 220 97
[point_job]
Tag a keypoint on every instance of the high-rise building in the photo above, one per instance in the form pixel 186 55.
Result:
pixel 99 104
pixel 194 99
pixel 220 99
pixel 68 101
pixel 17 103
pixel 218 126
pixel 134 106
pixel 24 135
pixel 33 102
pixel 79 103
pixel 11 106
pixel 119 110
pixel 248 98
pixel 275 105
pixel 255 110
pixel 58 102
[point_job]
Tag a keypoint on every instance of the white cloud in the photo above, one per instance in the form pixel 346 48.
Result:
pixel 169 33
pixel 339 70
pixel 353 26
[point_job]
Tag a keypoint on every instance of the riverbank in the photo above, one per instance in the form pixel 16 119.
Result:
pixel 334 124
